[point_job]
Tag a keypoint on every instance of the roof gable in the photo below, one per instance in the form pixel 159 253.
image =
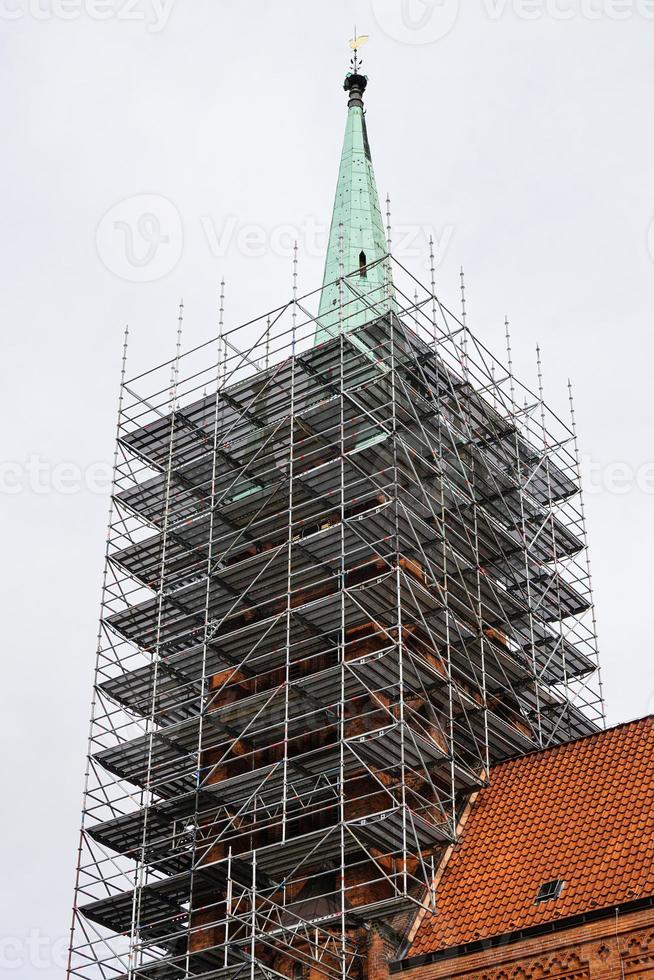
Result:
pixel 582 813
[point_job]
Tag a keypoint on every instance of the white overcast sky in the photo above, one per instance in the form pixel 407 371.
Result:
pixel 518 133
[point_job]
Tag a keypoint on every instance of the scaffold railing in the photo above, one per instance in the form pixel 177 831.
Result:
pixel 343 579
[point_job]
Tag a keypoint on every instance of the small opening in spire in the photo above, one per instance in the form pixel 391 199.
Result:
pixel 363 268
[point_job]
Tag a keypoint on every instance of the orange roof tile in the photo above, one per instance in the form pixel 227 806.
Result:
pixel 582 812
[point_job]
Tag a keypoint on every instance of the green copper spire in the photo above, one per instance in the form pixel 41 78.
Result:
pixel 356 237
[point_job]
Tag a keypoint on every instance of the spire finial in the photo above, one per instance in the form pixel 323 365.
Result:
pixel 357 42
pixel 355 83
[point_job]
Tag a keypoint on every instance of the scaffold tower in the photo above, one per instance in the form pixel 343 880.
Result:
pixel 346 573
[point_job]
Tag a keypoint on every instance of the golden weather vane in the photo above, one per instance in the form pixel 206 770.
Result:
pixel 355 43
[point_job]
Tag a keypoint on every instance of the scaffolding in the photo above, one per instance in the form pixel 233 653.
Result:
pixel 342 580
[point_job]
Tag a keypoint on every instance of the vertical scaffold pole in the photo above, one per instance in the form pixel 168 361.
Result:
pixel 94 696
pixel 441 395
pixel 547 449
pixel 289 553
pixel 389 248
pixel 342 631
pixel 464 323
pixel 584 537
pixel 253 916
pixel 228 907
pixel 151 722
pixel 294 315
pixel 399 639
pixel 473 494
pixel 432 270
pixel 205 699
pixel 523 526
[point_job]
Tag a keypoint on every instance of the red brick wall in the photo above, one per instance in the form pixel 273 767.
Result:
pixel 608 949
pixel 378 956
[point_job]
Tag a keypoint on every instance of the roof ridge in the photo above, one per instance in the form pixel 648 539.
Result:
pixel 580 738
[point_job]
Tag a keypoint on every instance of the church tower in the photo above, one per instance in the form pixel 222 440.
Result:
pixel 346 573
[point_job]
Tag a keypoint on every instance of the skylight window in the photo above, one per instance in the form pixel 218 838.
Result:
pixel 550 890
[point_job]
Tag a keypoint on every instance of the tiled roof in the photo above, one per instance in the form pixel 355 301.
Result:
pixel 582 812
